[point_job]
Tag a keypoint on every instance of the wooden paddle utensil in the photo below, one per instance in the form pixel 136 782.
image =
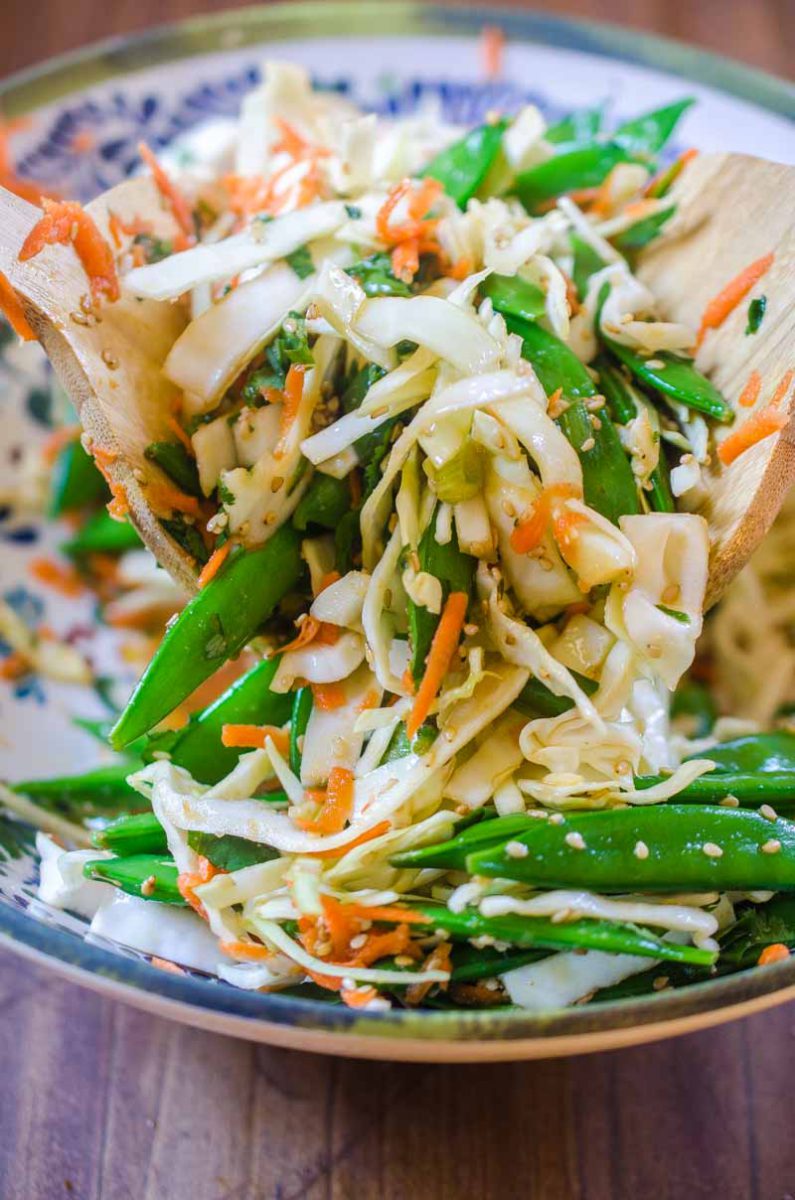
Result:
pixel 731 210
pixel 108 357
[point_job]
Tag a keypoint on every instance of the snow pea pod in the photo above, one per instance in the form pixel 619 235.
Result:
pixel 453 854
pixel 648 133
pixel 677 378
pixel 148 876
pixel 586 263
pixel 757 769
pixel 101 534
pixel 76 482
pixel 623 408
pixel 608 482
pixel 543 933
pixel 248 701
pixel 684 848
pixel 580 126
pixel 636 236
pixel 462 167
pixel 229 853
pixel 470 963
pixel 140 833
pixel 536 700
pixel 515 296
pixel 582 167
pixel 325 503
pixel 769 753
pixel 455 570
pixel 173 458
pixel 104 789
pixel 212 628
pixel 302 702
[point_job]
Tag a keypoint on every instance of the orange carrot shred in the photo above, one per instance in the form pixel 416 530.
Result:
pixel 440 655
pixel 782 389
pixel 293 393
pixel 66 222
pixel 162 495
pixel 358 997
pixel 65 580
pixel 492 48
pixel 529 532
pixel 13 311
pixel 252 737
pixel 328 696
pixel 337 805
pixel 213 564
pixel 174 198
pixel 246 951
pixel 735 291
pixel 180 434
pixel 369 834
pixel 750 393
pixel 778 952
pixel 14 666
pixel 327 580
pixel 758 426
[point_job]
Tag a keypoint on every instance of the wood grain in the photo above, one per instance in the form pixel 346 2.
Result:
pixel 100 1102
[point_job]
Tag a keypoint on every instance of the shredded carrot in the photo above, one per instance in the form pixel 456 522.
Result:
pixel 660 184
pixel 341 925
pixel 180 434
pixel 460 268
pixel 213 564
pixel 572 299
pixel 57 440
pixel 414 236
pixel 387 912
pixel 720 306
pixel 358 997
pixel 369 834
pixel 291 142
pixel 750 393
pixel 328 696
pixel 327 580
pixel 782 389
pixel 437 960
pixel 27 189
pixel 12 310
pixel 119 506
pixel 252 737
pixel 407 679
pixel 440 655
pixel 162 495
pixel 293 393
pixel 66 222
pixel 528 533
pixel 778 952
pixel 247 951
pixel 180 209
pixel 759 425
pixel 337 805
pixel 381 945
pixel 14 666
pixel 188 880
pixel 163 964
pixel 65 580
pixel 492 44
pixel 307 633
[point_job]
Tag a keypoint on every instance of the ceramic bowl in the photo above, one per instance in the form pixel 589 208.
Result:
pixel 85 115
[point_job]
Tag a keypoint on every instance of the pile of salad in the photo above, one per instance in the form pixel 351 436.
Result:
pixel 437 457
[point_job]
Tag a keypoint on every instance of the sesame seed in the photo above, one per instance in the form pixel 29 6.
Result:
pixel 588 444
pixel 148 886
pixel 379 412
pixel 79 318
pixel 711 850
pixel 768 813
pixel 516 850
pixel 270 518
pixel 660 983
pixel 402 960
pixel 656 364
pixel 277 482
pixel 641 850
pixel 730 802
pixel 110 360
pixel 575 840
pixel 771 847
pixel 556 819
pixel 508 508
pixel 596 422
pixel 357 942
pixel 470 630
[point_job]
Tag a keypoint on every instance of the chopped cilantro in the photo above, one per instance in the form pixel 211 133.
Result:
pixel 756 314
pixel 301 262
pixel 376 277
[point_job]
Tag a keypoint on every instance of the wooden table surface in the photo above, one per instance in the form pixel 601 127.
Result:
pixel 100 1102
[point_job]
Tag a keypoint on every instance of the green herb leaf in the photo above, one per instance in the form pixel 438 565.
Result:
pixel 756 314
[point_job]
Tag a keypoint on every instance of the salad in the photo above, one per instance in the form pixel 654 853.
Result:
pixel 437 457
